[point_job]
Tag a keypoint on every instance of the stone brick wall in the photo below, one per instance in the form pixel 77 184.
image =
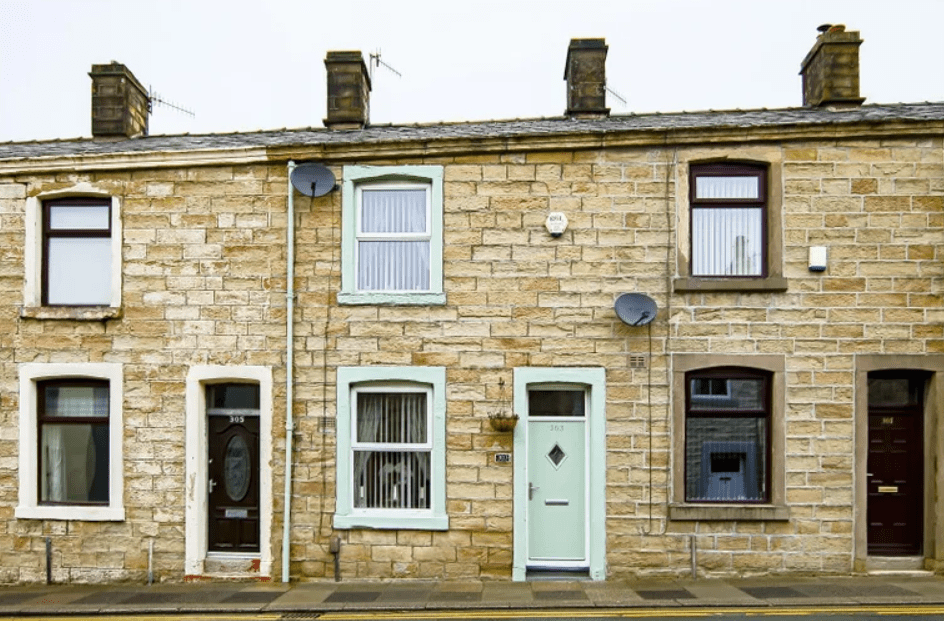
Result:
pixel 204 283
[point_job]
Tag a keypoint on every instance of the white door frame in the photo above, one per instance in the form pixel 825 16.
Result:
pixel 196 511
pixel 593 380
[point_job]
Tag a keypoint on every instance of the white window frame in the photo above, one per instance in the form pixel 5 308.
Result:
pixel 354 380
pixel 28 506
pixel 33 258
pixel 355 180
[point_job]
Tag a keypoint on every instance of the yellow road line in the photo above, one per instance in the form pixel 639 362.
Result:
pixel 634 613
pixel 167 616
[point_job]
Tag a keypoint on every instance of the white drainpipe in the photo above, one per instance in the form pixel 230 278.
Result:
pixel 289 375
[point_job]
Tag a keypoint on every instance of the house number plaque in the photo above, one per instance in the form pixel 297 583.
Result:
pixel 502 458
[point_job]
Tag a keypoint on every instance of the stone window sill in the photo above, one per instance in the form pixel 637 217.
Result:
pixel 71 313
pixel 697 284
pixel 729 513
pixel 423 298
pixel 73 513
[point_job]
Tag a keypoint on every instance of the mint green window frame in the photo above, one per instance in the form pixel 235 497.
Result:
pixel 355 177
pixel 350 379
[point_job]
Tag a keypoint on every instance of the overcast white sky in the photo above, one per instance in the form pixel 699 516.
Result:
pixel 244 65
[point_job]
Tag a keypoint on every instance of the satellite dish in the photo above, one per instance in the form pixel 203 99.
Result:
pixel 313 179
pixel 635 309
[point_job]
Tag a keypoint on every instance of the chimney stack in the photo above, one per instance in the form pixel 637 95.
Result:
pixel 585 72
pixel 348 91
pixel 120 105
pixel 831 70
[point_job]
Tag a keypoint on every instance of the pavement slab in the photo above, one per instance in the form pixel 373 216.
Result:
pixel 303 600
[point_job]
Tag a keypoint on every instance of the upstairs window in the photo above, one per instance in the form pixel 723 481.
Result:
pixel 728 220
pixel 77 252
pixel 392 235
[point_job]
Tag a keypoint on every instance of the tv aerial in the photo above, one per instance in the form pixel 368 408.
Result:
pixel 635 309
pixel 154 98
pixel 615 94
pixel 313 179
pixel 376 62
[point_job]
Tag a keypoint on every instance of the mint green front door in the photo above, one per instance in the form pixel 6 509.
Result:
pixel 557 478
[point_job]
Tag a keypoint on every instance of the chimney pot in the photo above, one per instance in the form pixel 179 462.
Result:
pixel 831 69
pixel 348 91
pixel 120 104
pixel 585 72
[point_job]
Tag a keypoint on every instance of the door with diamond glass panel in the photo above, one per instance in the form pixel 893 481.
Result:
pixel 557 479
pixel 233 468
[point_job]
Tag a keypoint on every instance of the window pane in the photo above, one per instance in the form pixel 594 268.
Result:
pixel 725 459
pixel 727 187
pixel 74 463
pixel 397 418
pixel 79 271
pixel 393 211
pixel 391 480
pixel 76 401
pixel 393 266
pixel 79 217
pixel 233 397
pixel 727 241
pixel 719 394
pixel 897 391
pixel 556 403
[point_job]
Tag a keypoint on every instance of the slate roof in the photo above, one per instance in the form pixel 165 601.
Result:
pixel 519 128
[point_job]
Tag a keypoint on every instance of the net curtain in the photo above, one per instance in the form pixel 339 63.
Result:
pixel 393 240
pixel 392 478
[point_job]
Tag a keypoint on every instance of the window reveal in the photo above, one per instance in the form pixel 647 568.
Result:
pixel 727 437
pixel 74 442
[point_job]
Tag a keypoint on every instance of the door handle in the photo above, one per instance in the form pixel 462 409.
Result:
pixel 531 488
pixel 212 484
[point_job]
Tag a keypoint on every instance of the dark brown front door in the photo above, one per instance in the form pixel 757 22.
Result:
pixel 895 464
pixel 234 483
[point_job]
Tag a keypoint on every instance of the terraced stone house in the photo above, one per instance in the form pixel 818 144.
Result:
pixel 215 362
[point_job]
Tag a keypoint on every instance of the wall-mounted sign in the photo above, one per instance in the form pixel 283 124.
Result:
pixel 502 458
pixel 556 223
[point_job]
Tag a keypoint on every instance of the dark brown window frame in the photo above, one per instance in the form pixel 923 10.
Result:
pixel 48 232
pixel 731 169
pixel 42 419
pixel 728 373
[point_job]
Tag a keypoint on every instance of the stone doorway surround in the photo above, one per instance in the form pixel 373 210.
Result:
pixel 933 555
pixel 198 561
